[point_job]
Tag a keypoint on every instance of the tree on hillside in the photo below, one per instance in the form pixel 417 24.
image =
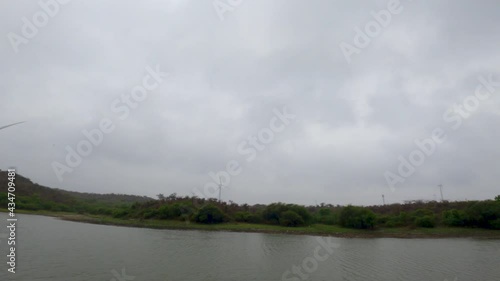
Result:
pixel 209 214
pixel 426 221
pixel 290 218
pixel 357 217
pixel 454 217
pixel 484 214
pixel 172 196
pixel 273 212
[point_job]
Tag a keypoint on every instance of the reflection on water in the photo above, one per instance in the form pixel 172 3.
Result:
pixel 51 249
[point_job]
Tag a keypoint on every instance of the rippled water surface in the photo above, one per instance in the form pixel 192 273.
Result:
pixel 51 249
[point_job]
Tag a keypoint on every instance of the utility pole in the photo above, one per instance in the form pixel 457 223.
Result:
pixel 441 190
pixel 383 199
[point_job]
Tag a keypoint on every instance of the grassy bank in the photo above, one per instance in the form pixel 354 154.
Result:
pixel 315 229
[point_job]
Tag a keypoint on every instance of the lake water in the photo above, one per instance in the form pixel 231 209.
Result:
pixel 51 249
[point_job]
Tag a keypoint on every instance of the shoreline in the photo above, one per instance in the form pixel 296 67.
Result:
pixel 313 230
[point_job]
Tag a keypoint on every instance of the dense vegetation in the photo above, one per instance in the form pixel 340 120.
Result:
pixel 34 197
pixel 357 217
pixel 471 214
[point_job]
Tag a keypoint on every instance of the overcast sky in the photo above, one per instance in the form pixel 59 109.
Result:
pixel 230 70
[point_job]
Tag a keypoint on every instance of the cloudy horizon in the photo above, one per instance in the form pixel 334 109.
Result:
pixel 300 102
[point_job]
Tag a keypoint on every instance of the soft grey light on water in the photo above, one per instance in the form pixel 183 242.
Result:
pixel 53 250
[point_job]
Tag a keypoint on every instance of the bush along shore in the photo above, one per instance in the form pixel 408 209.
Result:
pixel 412 219
pixel 416 220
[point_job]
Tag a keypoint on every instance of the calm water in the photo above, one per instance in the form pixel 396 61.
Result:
pixel 51 249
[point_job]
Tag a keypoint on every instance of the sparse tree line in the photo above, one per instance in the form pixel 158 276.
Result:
pixel 481 214
pixel 478 214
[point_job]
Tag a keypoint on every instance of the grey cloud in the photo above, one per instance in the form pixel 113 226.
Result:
pixel 353 120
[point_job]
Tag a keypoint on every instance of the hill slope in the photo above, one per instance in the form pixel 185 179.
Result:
pixel 32 196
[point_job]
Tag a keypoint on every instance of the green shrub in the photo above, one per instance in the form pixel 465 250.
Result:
pixel 164 212
pixel 391 223
pixel 404 218
pixel 301 211
pixel 150 213
pixel 454 218
pixel 327 216
pixel 382 219
pixel 426 221
pixel 397 220
pixel 241 216
pixel 495 224
pixel 119 213
pixel 175 211
pixel 209 214
pixel 273 212
pixel 420 213
pixel 423 218
pixel 246 217
pixel 291 219
pixel 357 217
pixel 483 214
pixel 100 211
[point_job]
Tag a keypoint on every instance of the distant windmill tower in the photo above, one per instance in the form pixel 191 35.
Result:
pixel 441 190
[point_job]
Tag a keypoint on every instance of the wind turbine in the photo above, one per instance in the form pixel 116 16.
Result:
pixel 6 126
pixel 441 190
